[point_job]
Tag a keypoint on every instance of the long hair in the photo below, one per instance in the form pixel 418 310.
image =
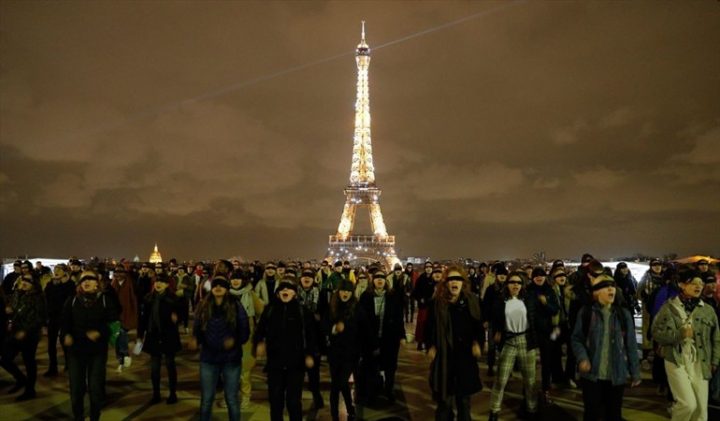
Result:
pixel 340 310
pixel 506 291
pixel 442 294
pixel 227 308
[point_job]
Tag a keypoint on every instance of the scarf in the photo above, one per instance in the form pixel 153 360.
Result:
pixel 689 303
pixel 246 298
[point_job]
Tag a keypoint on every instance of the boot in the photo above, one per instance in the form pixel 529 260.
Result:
pixel 318 401
pixel 26 396
pixel 172 398
pixel 155 397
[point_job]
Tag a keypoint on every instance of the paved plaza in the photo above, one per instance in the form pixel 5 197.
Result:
pixel 128 394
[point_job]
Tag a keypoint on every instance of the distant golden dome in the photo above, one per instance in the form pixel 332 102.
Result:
pixel 155 256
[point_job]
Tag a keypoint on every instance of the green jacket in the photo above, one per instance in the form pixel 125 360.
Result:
pixel 706 338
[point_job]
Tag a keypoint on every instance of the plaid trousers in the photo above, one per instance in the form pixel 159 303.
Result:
pixel 515 348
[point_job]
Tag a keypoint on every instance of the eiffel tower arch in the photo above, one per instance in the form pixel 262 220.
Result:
pixel 362 192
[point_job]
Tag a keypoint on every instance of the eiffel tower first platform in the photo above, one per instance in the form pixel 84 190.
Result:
pixel 362 191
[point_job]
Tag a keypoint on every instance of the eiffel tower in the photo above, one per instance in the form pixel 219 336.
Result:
pixel 362 191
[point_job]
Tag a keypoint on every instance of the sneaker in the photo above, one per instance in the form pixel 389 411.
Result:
pixel 119 369
pixel 127 362
pixel 572 384
pixel 245 403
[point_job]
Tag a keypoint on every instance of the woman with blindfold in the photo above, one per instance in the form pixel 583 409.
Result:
pixel 687 329
pixel 604 344
pixel 514 317
pixel 454 339
pixel 86 332
pixel 26 312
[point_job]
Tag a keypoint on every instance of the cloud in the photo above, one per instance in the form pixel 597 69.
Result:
pixel 449 182
pixel 569 134
pixel 599 178
pixel 705 149
pixel 617 118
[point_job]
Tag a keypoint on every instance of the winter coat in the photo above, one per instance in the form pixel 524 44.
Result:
pixel 706 338
pixel 287 331
pixel 162 338
pixel 544 312
pixel 82 314
pixel 424 290
pixel 55 296
pixel 498 321
pixel 128 303
pixel 393 325
pixel 344 346
pixel 623 352
pixel 28 313
pixel 454 370
pixel 211 337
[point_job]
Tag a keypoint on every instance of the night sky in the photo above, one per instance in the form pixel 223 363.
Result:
pixel 224 129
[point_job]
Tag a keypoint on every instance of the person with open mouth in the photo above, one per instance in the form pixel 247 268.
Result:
pixel 513 317
pixel 454 339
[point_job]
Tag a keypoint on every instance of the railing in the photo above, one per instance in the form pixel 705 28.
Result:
pixel 357 240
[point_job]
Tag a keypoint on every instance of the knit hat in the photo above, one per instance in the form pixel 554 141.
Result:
pixel 586 258
pixel 397 266
pixel 621 265
pixel 655 261
pixel 501 270
pixel 538 271
pixel 346 285
pixel 338 264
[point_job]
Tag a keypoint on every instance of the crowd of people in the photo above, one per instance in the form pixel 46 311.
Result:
pixel 296 316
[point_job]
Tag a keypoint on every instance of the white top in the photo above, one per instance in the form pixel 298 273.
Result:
pixel 515 316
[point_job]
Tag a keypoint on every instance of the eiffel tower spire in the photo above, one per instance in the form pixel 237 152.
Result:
pixel 362 191
pixel 362 171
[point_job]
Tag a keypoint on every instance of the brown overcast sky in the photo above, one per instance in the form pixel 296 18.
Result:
pixel 219 129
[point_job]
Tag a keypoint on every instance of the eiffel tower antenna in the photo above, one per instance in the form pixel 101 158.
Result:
pixel 362 191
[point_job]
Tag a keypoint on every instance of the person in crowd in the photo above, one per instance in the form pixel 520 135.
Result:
pixel 381 331
pixel 185 290
pixel 75 270
pixel 454 340
pixel 489 278
pixel 129 314
pixel 8 283
pixel 400 281
pixel 158 332
pixel 703 268
pixel 514 315
pixel 687 329
pixel 362 284
pixel 266 286
pixel 492 294
pixel 27 316
pixel 561 288
pixel 547 307
pixel 603 341
pixel 710 298
pixel 423 292
pixel 220 328
pixel 57 291
pixel 648 286
pixel 285 335
pixel 203 285
pixel 343 352
pixel 143 284
pixel 242 289
pixel 475 280
pixel 85 330
pixel 626 283
pixel 348 272
pixel 336 276
pixel 159 269
pixel 410 310
pixel 308 294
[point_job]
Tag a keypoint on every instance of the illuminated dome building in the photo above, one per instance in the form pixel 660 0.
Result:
pixel 155 256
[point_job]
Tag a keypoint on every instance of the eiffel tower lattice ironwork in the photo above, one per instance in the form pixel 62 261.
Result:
pixel 362 191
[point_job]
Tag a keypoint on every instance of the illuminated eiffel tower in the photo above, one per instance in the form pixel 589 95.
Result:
pixel 362 191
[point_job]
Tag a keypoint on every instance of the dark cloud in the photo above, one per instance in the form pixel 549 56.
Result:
pixel 220 129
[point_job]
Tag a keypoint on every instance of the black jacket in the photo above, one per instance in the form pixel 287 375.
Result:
pixel 82 314
pixel 344 346
pixel 55 297
pixel 424 289
pixel 543 312
pixel 460 374
pixel 161 337
pixel 393 326
pixel 287 331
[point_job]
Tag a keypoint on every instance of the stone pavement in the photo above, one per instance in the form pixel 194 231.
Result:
pixel 128 394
